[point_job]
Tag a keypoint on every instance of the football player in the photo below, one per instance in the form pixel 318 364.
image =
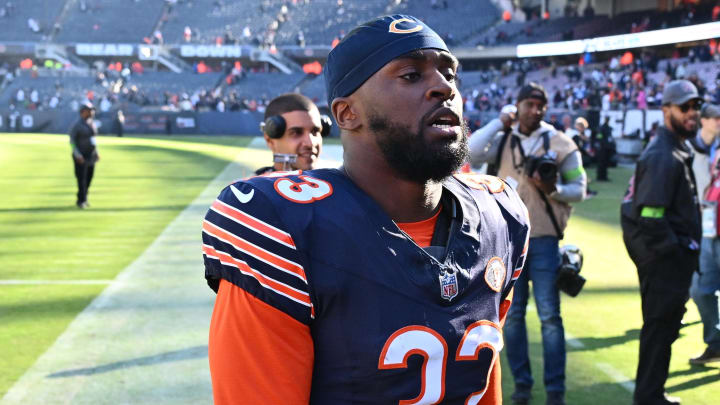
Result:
pixel 293 129
pixel 384 281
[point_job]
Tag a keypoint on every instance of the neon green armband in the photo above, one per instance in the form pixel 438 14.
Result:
pixel 573 174
pixel 652 212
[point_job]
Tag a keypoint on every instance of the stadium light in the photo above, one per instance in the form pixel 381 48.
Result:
pixel 626 41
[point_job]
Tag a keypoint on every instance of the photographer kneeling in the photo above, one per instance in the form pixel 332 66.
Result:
pixel 545 167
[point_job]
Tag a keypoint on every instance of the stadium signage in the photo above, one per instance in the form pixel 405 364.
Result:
pixel 104 49
pixel 185 122
pixel 618 42
pixel 211 51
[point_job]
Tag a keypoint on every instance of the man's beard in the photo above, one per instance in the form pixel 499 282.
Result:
pixel 680 130
pixel 412 156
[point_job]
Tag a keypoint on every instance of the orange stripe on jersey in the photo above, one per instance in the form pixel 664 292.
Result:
pixel 253 223
pixel 516 273
pixel 267 282
pixel 422 231
pixel 493 394
pixel 255 251
pixel 258 354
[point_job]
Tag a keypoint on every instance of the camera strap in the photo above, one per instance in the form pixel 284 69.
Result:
pixel 494 167
pixel 515 142
pixel 550 212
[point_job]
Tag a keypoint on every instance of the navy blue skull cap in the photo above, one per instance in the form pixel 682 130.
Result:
pixel 370 46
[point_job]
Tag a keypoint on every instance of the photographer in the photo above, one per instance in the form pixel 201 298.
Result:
pixel 293 130
pixel 545 167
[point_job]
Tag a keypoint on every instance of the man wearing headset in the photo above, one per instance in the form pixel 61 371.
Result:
pixel 293 129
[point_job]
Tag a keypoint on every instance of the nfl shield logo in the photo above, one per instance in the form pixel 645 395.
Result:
pixel 448 286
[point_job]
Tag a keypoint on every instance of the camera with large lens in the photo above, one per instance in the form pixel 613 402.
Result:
pixel 544 165
pixel 569 279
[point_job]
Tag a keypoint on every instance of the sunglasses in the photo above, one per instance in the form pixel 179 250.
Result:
pixel 697 105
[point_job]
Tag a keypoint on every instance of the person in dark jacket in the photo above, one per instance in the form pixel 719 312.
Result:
pixel 84 152
pixel 660 219
pixel 603 149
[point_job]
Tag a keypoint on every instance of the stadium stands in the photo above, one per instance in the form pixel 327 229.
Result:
pixel 270 22
pixel 489 91
pixel 15 24
pixel 567 28
pixel 320 21
pixel 126 21
pixel 323 20
pixel 460 20
pixel 210 19
pixel 267 85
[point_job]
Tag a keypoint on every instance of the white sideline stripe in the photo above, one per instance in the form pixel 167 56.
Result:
pixel 572 341
pixel 252 228
pixel 54 282
pixel 277 266
pixel 606 368
pixel 141 340
pixel 167 308
pixel 616 375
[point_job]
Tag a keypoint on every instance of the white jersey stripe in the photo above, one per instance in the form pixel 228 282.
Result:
pixel 245 214
pixel 260 281
pixel 277 266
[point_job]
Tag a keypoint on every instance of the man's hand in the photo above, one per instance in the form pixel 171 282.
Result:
pixel 546 187
pixel 79 159
pixel 507 119
pixel 508 114
pixel 97 157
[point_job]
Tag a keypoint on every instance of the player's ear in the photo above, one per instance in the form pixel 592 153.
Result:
pixel 345 114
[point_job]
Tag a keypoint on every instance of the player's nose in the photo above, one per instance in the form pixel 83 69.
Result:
pixel 440 87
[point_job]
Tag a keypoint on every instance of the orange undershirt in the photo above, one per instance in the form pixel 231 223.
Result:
pixel 422 231
pixel 259 354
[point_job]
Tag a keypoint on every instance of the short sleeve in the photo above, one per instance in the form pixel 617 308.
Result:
pixel 244 243
pixel 655 181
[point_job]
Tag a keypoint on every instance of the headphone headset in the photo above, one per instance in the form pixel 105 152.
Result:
pixel 274 126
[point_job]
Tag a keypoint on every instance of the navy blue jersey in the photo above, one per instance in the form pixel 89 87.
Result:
pixel 389 322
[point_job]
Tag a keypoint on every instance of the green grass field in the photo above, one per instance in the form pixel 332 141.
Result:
pixel 142 184
pixel 605 319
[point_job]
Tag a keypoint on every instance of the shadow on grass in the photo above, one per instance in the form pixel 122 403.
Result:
pixel 36 308
pixel 178 176
pixel 601 393
pixel 92 209
pixel 694 383
pixel 594 343
pixel 171 356
pixel 694 370
pixel 610 290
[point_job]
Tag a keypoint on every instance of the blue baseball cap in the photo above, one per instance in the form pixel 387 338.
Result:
pixel 370 46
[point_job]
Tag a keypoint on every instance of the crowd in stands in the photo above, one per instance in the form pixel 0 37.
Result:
pixel 629 80
pixel 129 87
pixel 574 24
pixel 270 23
pixel 624 82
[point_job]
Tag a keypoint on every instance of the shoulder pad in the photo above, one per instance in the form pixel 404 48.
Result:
pixel 294 186
pixel 506 197
pixel 482 182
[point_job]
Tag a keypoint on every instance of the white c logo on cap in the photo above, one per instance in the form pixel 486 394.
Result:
pixel 395 30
